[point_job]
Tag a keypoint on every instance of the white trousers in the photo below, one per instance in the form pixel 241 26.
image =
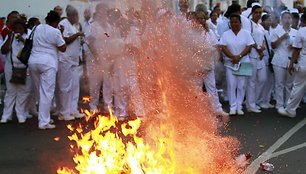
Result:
pixel 283 85
pixel 44 78
pixel 68 81
pixel 126 88
pixel 298 91
pixel 210 84
pixel 255 83
pixel 236 86
pixel 265 93
pixel 101 79
pixel 15 94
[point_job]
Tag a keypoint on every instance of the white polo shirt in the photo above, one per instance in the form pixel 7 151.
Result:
pixel 45 42
pixel 300 42
pixel 282 52
pixel 236 44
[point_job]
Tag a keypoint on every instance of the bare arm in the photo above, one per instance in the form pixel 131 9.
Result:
pixel 6 47
pixel 295 56
pixel 279 40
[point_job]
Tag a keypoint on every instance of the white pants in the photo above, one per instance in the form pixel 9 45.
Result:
pixel 236 86
pixel 44 78
pixel 101 79
pixel 298 91
pixel 210 84
pixel 16 94
pixel 68 88
pixel 255 83
pixel 265 94
pixel 283 85
pixel 126 88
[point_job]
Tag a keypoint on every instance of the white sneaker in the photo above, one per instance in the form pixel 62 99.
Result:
pixel 66 118
pixel 222 113
pixel 3 120
pixel 232 112
pixel 284 112
pixel 264 106
pixel 258 107
pixel 51 121
pixel 21 120
pixel 48 126
pixel 240 112
pixel 270 105
pixel 78 115
pixel 255 110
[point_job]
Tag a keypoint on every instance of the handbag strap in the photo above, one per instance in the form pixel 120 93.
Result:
pixel 11 51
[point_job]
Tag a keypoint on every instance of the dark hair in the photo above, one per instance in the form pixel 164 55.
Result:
pixel 234 8
pixel 12 13
pixel 32 21
pixel 215 7
pixel 212 12
pixel 250 2
pixel 53 17
pixel 303 18
pixel 265 17
pixel 255 7
pixel 295 16
pixel 235 15
pixel 22 23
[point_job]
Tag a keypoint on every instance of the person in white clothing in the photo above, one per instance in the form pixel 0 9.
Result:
pixel 282 38
pixel 43 64
pixel 209 80
pixel 100 67
pixel 16 94
pixel 248 12
pixel 255 82
pixel 236 44
pixel 68 77
pixel 264 96
pixel 299 83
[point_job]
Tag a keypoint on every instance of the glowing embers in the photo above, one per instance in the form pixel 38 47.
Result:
pixel 113 147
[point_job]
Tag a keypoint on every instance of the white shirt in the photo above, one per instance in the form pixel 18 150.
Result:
pixel 45 42
pixel 16 47
pixel 72 53
pixel 258 33
pixel 282 52
pixel 247 12
pixel 300 42
pixel 213 28
pixel 236 44
pixel 266 53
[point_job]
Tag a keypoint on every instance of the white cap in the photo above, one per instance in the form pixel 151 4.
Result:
pixel 294 10
pixel 255 4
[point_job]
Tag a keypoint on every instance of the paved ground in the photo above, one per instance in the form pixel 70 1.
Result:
pixel 26 150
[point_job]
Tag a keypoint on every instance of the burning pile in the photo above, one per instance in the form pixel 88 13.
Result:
pixel 179 134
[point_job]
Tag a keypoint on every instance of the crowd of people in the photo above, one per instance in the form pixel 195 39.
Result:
pixel 260 58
